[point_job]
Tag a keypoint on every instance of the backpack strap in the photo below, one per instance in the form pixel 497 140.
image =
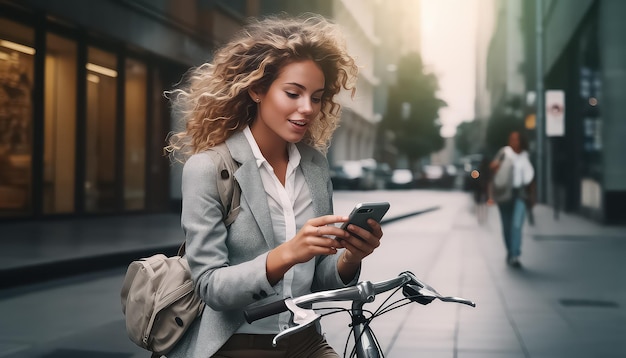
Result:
pixel 229 190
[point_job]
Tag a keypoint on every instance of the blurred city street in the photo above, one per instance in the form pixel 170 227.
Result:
pixel 100 100
pixel 568 299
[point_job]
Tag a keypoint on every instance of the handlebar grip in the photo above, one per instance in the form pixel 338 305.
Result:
pixel 256 313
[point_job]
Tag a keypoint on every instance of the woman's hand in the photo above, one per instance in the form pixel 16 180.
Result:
pixel 314 238
pixel 361 243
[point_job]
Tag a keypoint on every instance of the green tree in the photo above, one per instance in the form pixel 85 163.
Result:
pixel 467 137
pixel 413 110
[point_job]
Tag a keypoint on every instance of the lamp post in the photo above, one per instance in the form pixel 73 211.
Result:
pixel 540 113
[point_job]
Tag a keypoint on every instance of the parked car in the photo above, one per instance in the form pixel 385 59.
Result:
pixel 430 176
pixel 401 179
pixel 382 175
pixel 437 176
pixel 352 175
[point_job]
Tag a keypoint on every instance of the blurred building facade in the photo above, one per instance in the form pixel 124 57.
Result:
pixel 398 28
pixel 83 119
pixel 482 102
pixel 505 60
pixel 355 138
pixel 583 55
pixel 500 68
pixel 82 114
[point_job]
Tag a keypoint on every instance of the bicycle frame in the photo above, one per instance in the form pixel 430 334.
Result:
pixel 364 341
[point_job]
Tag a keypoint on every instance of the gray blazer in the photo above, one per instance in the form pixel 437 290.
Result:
pixel 228 265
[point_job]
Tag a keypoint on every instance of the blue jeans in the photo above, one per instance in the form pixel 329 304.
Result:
pixel 512 214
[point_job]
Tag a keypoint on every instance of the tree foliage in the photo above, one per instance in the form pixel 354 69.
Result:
pixel 417 133
pixel 467 137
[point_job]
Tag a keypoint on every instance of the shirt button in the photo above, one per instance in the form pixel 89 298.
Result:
pixel 285 327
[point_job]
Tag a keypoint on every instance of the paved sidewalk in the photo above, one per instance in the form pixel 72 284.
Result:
pixel 568 300
pixel 36 251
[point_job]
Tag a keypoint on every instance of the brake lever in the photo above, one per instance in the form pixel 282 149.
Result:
pixel 302 317
pixel 431 292
pixel 458 300
pixel 424 293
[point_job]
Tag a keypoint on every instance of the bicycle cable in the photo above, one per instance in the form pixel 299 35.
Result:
pixel 382 309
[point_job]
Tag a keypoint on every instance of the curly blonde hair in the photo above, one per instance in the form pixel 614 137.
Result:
pixel 214 103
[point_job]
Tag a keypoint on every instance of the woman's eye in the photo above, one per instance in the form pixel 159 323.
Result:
pixel 316 100
pixel 291 95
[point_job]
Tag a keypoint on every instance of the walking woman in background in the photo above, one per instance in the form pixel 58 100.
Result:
pixel 269 94
pixel 513 173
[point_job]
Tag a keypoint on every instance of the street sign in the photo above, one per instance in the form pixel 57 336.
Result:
pixel 555 113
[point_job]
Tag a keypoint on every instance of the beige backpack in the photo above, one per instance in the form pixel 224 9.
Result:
pixel 158 298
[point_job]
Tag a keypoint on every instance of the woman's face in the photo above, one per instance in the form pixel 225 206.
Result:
pixel 514 142
pixel 290 104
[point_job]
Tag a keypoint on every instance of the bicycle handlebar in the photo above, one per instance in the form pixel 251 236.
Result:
pixel 270 309
pixel 365 291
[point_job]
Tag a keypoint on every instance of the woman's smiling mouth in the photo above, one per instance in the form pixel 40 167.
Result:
pixel 298 123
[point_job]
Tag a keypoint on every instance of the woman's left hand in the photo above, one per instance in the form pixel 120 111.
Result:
pixel 361 243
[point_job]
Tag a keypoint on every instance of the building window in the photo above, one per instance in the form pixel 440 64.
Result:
pixel 60 125
pixel 135 135
pixel 16 116
pixel 100 173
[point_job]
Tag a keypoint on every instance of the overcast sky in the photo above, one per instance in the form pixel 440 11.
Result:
pixel 448 50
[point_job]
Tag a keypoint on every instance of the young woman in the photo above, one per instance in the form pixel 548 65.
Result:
pixel 269 95
pixel 513 207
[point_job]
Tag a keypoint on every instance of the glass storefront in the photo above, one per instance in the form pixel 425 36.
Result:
pixel 101 148
pixel 16 117
pixel 95 139
pixel 59 125
pixel 136 96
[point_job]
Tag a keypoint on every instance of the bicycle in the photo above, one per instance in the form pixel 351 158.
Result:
pixel 366 345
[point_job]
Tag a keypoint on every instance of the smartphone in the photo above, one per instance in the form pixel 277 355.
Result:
pixel 364 211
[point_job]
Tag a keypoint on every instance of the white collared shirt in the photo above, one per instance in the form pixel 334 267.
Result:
pixel 523 171
pixel 290 207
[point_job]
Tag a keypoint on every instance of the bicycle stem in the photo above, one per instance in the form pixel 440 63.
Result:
pixel 364 341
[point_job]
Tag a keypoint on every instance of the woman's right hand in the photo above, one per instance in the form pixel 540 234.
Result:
pixel 313 239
